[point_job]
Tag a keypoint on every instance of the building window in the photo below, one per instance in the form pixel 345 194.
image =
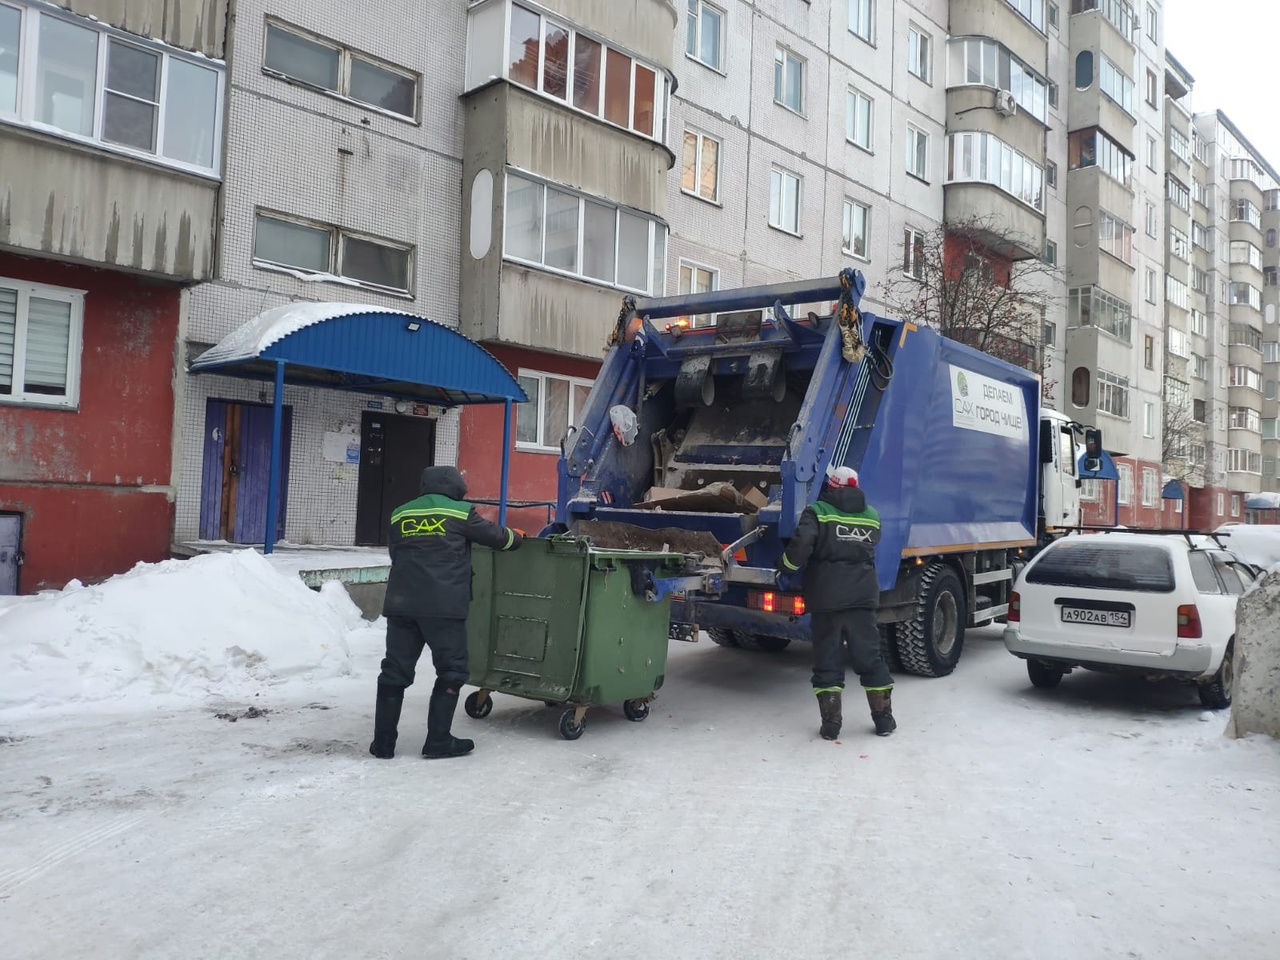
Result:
pixel 1179 145
pixel 303 57
pixel 1176 191
pixel 1091 490
pixel 567 232
pixel 1242 461
pixel 1081 378
pixel 983 158
pixel 1113 394
pixel 1199 323
pixel 1051 173
pixel 1153 153
pixel 320 250
pixel 857 118
pixel 919 54
pixel 978 61
pixel 1148 419
pixel 1091 147
pixel 1149 352
pixel 1175 292
pixel 1090 306
pixel 695 278
pixel 857 228
pixel 555 404
pixel 860 18
pixel 1050 255
pixel 1221 504
pixel 700 175
pixel 1118 13
pixel 1200 367
pixel 1244 418
pixel 1115 237
pixel 1050 335
pixel 1153 89
pixel 1052 15
pixel 1150 484
pixel 1179 243
pixel 1152 23
pixel 1178 344
pixel 1152 289
pixel 1115 83
pixel 917 152
pixel 1031 10
pixel 1053 95
pixel 1152 220
pixel 564 64
pixel 1245 295
pixel 913 253
pixel 1242 251
pixel 40 338
pixel 1242 376
pixel 1084 69
pixel 1271 237
pixel 1124 486
pixel 1269 429
pixel 703 33
pixel 1270 351
pixel 784 200
pixel 1246 336
pixel 788 80
pixel 1246 211
pixel 81 80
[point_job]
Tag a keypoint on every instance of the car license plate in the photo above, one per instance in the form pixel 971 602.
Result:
pixel 1099 618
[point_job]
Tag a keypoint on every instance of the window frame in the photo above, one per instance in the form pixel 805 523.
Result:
pixel 697 158
pixel 346 56
pixel 852 98
pixel 337 249
pixel 694 268
pixel 26 289
pixel 781 54
pixel 913 252
pixel 697 57
pixel 784 176
pixel 916 134
pixel 656 258
pixel 866 12
pixel 26 116
pixel 540 446
pixel 848 236
pixel 920 53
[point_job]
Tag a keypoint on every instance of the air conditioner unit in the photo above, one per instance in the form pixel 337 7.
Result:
pixel 1005 104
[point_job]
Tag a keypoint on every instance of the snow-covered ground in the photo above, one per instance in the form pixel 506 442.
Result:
pixel 1107 818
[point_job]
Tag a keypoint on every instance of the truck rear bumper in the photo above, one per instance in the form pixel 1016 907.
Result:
pixel 728 617
pixel 1187 660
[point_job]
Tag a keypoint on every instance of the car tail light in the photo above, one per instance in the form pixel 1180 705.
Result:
pixel 771 602
pixel 1015 609
pixel 1189 621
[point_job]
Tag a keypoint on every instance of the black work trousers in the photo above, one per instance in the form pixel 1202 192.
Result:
pixel 406 637
pixel 857 628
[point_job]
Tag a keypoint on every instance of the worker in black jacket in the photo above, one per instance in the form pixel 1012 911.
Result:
pixel 428 596
pixel 835 544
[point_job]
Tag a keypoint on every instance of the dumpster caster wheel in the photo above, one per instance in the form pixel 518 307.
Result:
pixel 636 710
pixel 551 704
pixel 571 728
pixel 476 708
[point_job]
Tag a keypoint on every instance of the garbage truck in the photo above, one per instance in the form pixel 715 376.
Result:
pixel 717 417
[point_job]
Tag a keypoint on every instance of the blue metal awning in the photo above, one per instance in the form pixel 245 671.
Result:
pixel 359 347
pixel 354 346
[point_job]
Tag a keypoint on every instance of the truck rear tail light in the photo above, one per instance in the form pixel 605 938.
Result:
pixel 771 602
pixel 1189 622
pixel 1015 608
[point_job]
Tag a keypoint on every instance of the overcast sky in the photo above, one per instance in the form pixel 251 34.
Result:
pixel 1232 48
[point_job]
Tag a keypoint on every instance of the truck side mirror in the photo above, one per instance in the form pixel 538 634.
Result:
pixel 1092 450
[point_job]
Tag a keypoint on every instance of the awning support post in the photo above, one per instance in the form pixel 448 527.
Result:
pixel 506 462
pixel 273 481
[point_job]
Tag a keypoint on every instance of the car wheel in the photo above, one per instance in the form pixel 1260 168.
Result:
pixel 930 643
pixel 1216 694
pixel 1044 675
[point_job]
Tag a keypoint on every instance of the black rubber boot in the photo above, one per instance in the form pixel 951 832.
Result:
pixel 441 742
pixel 882 711
pixel 386 719
pixel 829 707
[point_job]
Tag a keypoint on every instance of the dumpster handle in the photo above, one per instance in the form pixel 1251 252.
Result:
pixel 726 555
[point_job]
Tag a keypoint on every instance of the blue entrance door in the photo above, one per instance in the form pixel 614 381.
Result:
pixel 237 467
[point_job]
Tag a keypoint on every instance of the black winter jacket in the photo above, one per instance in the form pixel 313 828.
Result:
pixel 835 544
pixel 430 541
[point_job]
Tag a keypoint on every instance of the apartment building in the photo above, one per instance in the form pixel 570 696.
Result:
pixel 110 145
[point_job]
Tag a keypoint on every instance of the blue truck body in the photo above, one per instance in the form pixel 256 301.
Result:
pixel 944 437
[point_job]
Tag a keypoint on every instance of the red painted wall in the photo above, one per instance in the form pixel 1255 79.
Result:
pixel 532 476
pixel 75 475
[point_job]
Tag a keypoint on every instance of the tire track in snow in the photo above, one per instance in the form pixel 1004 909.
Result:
pixel 10 880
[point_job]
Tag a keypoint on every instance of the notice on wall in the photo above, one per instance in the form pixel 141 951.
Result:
pixel 986 405
pixel 342 446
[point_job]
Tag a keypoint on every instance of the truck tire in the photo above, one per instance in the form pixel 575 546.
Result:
pixel 889 647
pixel 722 637
pixel 761 641
pixel 930 643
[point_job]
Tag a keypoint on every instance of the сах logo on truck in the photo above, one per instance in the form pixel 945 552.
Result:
pixel 986 405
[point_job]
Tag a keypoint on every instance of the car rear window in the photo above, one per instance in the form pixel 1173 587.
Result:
pixel 1105 566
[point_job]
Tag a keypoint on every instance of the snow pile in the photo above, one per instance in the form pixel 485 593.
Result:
pixel 1258 544
pixel 223 624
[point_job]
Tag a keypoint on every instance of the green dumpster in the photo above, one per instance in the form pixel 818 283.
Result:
pixel 565 623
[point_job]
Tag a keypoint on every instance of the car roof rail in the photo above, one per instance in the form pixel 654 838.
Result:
pixel 1214 535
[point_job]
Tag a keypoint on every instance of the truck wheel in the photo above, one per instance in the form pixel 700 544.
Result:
pixel 760 641
pixel 1216 694
pixel 722 637
pixel 930 643
pixel 889 647
pixel 1044 675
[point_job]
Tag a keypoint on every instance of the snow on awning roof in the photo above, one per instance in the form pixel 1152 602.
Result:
pixel 355 346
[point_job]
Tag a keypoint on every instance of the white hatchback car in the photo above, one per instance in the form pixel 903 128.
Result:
pixel 1150 604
